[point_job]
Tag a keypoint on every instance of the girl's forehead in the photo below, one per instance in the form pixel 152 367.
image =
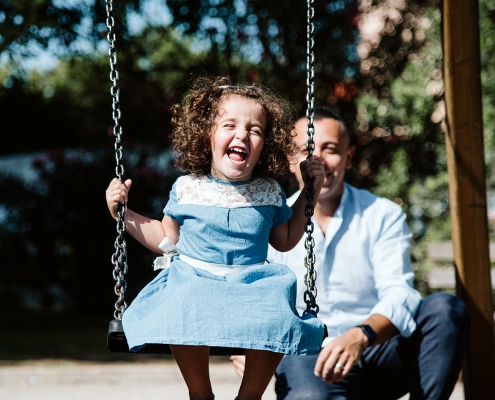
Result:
pixel 232 102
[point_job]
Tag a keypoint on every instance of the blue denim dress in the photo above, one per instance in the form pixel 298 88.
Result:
pixel 225 223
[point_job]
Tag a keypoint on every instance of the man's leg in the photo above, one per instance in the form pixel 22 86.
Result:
pixel 426 364
pixel 440 343
pixel 295 380
pixel 381 377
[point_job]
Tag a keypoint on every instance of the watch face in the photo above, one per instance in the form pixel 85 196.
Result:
pixel 368 331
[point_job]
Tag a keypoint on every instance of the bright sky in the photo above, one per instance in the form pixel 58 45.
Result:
pixel 153 12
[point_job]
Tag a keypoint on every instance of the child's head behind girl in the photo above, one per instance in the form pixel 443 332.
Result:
pixel 233 132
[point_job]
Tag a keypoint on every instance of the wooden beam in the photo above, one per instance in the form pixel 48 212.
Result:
pixel 467 190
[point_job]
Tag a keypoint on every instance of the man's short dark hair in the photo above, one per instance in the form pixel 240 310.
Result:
pixel 323 111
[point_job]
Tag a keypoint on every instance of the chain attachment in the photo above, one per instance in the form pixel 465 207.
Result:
pixel 119 258
pixel 309 244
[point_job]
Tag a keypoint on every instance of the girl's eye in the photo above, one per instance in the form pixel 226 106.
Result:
pixel 256 132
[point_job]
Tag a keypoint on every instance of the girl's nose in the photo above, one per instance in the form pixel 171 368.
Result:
pixel 241 134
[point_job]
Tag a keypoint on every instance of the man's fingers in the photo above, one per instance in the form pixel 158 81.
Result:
pixel 341 369
pixel 329 372
pixel 333 364
pixel 239 363
pixel 325 363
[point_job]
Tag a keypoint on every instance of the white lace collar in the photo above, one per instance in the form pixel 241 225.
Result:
pixel 202 190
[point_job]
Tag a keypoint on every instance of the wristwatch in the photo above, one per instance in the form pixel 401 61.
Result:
pixel 369 332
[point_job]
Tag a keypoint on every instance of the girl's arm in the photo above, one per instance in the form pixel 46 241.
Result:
pixel 149 232
pixel 284 237
pixel 171 227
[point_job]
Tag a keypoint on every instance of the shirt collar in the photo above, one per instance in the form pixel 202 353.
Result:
pixel 336 221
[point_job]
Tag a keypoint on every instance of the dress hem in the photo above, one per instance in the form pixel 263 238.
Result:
pixel 240 345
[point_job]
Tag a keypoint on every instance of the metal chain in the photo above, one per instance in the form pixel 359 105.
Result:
pixel 309 244
pixel 119 258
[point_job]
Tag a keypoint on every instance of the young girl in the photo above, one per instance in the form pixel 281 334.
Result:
pixel 215 288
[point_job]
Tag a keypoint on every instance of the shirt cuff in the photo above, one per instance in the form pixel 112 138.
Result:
pixel 401 316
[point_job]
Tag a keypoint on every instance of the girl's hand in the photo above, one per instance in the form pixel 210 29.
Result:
pixel 117 192
pixel 313 168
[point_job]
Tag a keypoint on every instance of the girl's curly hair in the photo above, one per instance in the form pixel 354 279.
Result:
pixel 194 119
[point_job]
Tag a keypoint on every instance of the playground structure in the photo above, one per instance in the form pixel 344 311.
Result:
pixel 467 190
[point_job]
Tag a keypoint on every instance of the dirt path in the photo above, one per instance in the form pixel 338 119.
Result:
pixel 70 380
pixel 67 380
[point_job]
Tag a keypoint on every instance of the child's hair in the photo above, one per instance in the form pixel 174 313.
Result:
pixel 194 119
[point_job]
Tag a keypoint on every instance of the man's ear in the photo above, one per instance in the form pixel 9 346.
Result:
pixel 350 155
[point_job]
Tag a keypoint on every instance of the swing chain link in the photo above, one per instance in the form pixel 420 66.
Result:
pixel 119 258
pixel 309 244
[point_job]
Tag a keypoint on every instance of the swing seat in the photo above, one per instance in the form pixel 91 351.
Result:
pixel 117 343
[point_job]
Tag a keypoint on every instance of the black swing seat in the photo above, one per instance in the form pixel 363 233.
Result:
pixel 117 343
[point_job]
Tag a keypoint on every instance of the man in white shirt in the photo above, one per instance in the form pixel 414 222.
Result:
pixel 383 340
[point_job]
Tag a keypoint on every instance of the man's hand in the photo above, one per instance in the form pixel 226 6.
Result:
pixel 239 363
pixel 338 357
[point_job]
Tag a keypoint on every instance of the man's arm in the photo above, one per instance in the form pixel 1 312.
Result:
pixel 398 301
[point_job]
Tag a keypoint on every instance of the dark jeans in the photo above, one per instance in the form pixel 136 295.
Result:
pixel 426 364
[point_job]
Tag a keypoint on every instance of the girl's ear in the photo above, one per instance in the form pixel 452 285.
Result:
pixel 292 164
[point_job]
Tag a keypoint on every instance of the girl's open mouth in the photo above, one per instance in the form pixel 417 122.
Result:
pixel 236 154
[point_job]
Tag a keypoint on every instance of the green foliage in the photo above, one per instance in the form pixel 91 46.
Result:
pixel 400 124
pixel 273 34
pixel 487 40
pixel 390 181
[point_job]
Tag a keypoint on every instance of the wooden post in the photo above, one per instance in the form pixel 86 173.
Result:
pixel 467 190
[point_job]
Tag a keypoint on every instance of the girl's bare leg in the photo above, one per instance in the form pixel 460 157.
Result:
pixel 193 362
pixel 259 370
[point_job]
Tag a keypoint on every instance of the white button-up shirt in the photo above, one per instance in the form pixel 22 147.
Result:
pixel 363 265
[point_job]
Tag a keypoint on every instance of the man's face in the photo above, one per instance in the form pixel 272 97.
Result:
pixel 332 145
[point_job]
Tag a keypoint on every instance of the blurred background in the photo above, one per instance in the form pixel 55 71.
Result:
pixel 378 63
